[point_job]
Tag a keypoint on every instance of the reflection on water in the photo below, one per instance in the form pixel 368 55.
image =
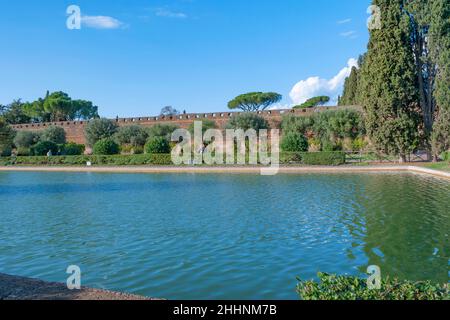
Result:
pixel 218 236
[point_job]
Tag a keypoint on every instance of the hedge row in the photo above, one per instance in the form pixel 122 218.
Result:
pixel 316 158
pixel 116 160
pixel 332 287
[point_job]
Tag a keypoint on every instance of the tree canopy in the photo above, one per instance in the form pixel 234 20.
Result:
pixel 169 111
pixel 6 138
pixel 56 106
pixel 133 135
pixel 254 101
pixel 313 102
pixel 99 129
pixel 246 121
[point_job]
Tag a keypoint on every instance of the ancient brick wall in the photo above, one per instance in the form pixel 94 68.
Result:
pixel 75 129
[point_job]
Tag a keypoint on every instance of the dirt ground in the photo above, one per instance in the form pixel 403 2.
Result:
pixel 19 288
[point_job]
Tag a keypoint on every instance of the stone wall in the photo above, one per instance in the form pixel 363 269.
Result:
pixel 75 129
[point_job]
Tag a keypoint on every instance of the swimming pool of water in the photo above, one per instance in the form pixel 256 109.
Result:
pixel 190 236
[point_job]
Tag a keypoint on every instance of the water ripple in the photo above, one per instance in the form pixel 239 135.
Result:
pixel 221 237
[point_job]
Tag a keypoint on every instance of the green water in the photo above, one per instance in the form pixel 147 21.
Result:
pixel 222 236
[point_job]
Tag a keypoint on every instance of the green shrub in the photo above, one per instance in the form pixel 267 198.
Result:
pixel 359 144
pixel 99 129
pixel 7 135
pixel 247 121
pixel 157 145
pixel 294 142
pixel 323 158
pixel 26 139
pixel 331 287
pixel 161 130
pixel 345 123
pixel 446 156
pixel 313 158
pixel 126 149
pixel 112 160
pixel 314 145
pixel 72 149
pixel 329 145
pixel 106 147
pixel 131 135
pixel 138 150
pixel 54 134
pixel 206 125
pixel 290 157
pixel 23 152
pixel 43 147
pixel 5 150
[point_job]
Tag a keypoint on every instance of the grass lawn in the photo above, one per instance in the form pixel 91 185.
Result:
pixel 443 166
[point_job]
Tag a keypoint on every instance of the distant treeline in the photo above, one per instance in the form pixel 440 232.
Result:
pixel 56 106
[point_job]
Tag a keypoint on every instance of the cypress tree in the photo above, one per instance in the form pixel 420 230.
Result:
pixel 350 89
pixel 429 37
pixel 440 54
pixel 388 83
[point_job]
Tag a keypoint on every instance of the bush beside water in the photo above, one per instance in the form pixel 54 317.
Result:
pixel 313 158
pixel 43 147
pixel 159 145
pixel 106 147
pixel 332 287
pixel 113 160
pixel 323 158
pixel 72 149
pixel 319 158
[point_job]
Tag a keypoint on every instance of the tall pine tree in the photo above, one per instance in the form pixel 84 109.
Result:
pixel 388 83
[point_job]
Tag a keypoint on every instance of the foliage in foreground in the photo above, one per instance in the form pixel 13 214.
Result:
pixel 332 287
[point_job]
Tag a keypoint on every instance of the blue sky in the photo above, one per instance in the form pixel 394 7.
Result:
pixel 131 58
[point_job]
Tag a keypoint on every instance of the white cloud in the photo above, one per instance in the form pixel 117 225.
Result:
pixel 162 12
pixel 101 22
pixel 316 86
pixel 280 106
pixel 344 21
pixel 348 34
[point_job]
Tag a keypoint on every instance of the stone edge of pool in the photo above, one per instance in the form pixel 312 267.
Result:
pixel 233 170
pixel 21 288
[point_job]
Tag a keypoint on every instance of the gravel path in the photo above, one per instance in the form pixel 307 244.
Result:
pixel 19 288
